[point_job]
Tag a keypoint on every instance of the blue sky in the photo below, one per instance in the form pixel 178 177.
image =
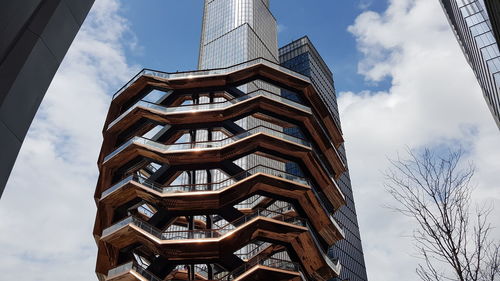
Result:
pixel 402 81
pixel 169 34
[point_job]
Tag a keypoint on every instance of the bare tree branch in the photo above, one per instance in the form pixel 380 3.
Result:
pixel 436 191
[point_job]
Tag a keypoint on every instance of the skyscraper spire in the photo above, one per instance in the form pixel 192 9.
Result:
pixel 235 31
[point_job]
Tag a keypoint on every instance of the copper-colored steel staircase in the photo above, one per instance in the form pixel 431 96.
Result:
pixel 209 180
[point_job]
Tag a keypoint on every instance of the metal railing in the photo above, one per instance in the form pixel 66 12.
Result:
pixel 202 233
pixel 129 267
pixel 200 73
pixel 269 262
pixel 207 186
pixel 207 144
pixel 223 276
pixel 229 227
pixel 210 106
pixel 250 203
pixel 220 143
pixel 247 252
pixel 210 72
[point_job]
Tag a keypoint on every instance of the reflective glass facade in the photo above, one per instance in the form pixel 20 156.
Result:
pixel 473 22
pixel 302 57
pixel 235 31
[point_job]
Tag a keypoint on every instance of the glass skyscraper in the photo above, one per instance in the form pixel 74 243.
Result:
pixel 235 31
pixel 301 56
pixel 476 24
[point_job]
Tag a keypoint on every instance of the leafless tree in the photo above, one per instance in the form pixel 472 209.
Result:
pixel 453 241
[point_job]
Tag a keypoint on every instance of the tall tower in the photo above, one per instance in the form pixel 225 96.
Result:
pixel 301 56
pixel 476 24
pixel 225 173
pixel 235 31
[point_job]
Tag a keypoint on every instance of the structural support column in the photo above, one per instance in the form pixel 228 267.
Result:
pixel 35 36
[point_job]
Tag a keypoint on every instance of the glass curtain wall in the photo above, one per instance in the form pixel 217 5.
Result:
pixel 233 32
pixel 472 26
pixel 302 57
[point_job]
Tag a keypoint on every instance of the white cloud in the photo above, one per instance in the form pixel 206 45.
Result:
pixel 365 4
pixel 434 99
pixel 47 210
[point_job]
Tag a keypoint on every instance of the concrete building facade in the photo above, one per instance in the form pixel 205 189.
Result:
pixel 34 38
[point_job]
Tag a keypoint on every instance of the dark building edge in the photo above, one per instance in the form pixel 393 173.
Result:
pixel 472 53
pixel 35 36
pixel 301 56
pixel 493 8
